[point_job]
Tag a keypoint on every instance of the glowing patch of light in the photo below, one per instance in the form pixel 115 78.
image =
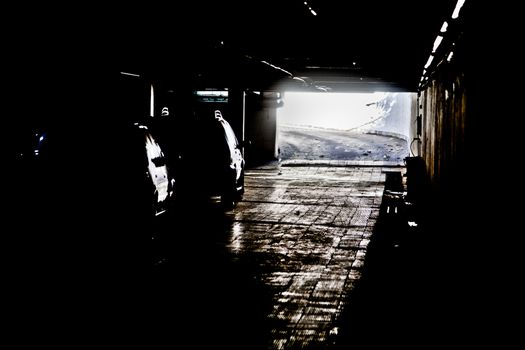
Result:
pixel 449 58
pixel 313 12
pixel 429 62
pixel 412 224
pixel 459 5
pixel 437 42
pixel 237 231
pixel 41 138
pixel 444 27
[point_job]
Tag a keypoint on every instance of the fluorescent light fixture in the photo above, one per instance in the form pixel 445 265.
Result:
pixel 130 74
pixel 459 5
pixel 449 58
pixel 152 101
pixel 275 67
pixel 444 27
pixel 429 62
pixel 310 8
pixel 437 42
pixel 212 93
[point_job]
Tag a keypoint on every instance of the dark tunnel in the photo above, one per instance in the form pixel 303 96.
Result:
pixel 258 175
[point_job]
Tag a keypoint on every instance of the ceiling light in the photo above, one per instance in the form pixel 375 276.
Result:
pixel 429 62
pixel 444 27
pixel 310 8
pixel 459 5
pixel 437 42
pixel 130 74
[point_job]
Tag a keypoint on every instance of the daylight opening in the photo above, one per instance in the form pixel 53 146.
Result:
pixel 345 126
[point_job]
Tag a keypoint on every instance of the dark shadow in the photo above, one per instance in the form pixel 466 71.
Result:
pixel 202 292
pixel 392 303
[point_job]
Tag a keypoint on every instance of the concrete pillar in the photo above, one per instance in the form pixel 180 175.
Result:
pixel 261 126
pixel 235 114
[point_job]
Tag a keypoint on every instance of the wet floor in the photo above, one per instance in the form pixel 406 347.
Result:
pixel 276 272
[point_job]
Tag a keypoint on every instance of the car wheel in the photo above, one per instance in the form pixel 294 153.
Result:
pixel 229 194
pixel 239 188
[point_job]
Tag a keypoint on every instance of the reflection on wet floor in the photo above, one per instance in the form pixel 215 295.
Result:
pixel 280 266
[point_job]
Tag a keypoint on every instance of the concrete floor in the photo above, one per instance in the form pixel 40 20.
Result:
pixel 277 271
pixel 319 144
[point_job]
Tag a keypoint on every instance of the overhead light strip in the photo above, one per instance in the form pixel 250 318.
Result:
pixel 275 67
pixel 130 74
pixel 312 11
pixel 439 38
pixel 437 42
pixel 444 27
pixel 459 5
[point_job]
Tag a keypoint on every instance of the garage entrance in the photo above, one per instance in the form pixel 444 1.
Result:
pixel 345 126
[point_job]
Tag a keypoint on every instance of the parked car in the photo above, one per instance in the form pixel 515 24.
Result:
pixel 117 168
pixel 226 159
pixel 207 156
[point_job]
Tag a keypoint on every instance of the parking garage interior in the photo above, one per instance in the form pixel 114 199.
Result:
pixel 364 229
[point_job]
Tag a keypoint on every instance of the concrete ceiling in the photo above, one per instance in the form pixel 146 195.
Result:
pixel 346 44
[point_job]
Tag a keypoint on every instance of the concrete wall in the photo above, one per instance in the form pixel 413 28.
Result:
pixel 443 107
pixel 399 109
